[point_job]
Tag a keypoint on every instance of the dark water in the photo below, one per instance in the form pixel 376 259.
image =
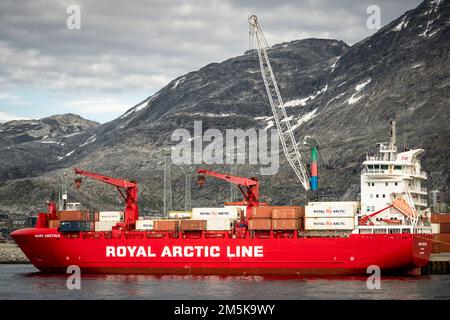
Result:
pixel 23 282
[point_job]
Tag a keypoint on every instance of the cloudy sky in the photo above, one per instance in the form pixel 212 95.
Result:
pixel 127 50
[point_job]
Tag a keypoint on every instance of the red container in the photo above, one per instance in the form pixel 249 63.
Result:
pixel 192 225
pixel 285 224
pixel 165 225
pixel 260 224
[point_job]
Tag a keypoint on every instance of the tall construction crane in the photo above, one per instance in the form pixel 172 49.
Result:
pixel 248 186
pixel 130 196
pixel 282 122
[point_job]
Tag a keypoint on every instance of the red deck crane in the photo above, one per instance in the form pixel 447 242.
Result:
pixel 248 186
pixel 130 197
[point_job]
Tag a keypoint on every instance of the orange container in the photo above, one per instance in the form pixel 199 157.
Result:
pixel 165 225
pixel 53 224
pixel 285 224
pixel 444 227
pixel 440 218
pixel 72 215
pixel 286 213
pixel 260 224
pixel 261 213
pixel 444 243
pixel 192 225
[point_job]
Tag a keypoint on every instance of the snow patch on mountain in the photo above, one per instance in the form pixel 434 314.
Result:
pixel 354 98
pixel 302 102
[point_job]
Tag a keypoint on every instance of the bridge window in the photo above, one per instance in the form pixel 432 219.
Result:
pixel 386 184
pixel 384 196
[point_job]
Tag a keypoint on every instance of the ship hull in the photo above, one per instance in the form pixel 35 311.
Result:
pixel 49 251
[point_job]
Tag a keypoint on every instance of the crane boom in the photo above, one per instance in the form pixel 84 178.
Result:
pixel 131 196
pixel 248 186
pixel 282 122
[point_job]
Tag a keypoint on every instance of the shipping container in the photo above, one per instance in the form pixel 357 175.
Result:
pixel 110 216
pixel 53 224
pixel 76 226
pixel 440 218
pixel 72 215
pixel 144 225
pixel 261 213
pixel 219 224
pixel 285 224
pixel 286 213
pixel 165 225
pixel 331 209
pixel 442 243
pixel 208 213
pixel 238 208
pixel 329 223
pixel 104 225
pixel 193 225
pixel 260 224
pixel 444 228
pixel 180 214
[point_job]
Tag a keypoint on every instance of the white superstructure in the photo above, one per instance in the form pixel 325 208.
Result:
pixel 392 192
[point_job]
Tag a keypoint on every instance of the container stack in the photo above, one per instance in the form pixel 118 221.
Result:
pixel 276 218
pixel 106 220
pixel 217 219
pixel 260 219
pixel 74 221
pixel 330 215
pixel 286 218
pixel 440 224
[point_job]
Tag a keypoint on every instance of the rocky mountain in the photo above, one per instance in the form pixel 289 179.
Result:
pixel 343 96
pixel 31 147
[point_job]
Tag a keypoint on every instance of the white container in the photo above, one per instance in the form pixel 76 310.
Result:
pixel 329 223
pixel 180 214
pixel 238 208
pixel 104 225
pixel 110 216
pixel 435 228
pixel 144 225
pixel 219 224
pixel 331 209
pixel 212 213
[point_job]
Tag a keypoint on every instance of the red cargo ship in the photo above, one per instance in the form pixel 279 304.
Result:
pixel 237 251
pixel 218 254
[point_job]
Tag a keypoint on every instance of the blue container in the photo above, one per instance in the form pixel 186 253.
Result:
pixel 314 183
pixel 71 226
